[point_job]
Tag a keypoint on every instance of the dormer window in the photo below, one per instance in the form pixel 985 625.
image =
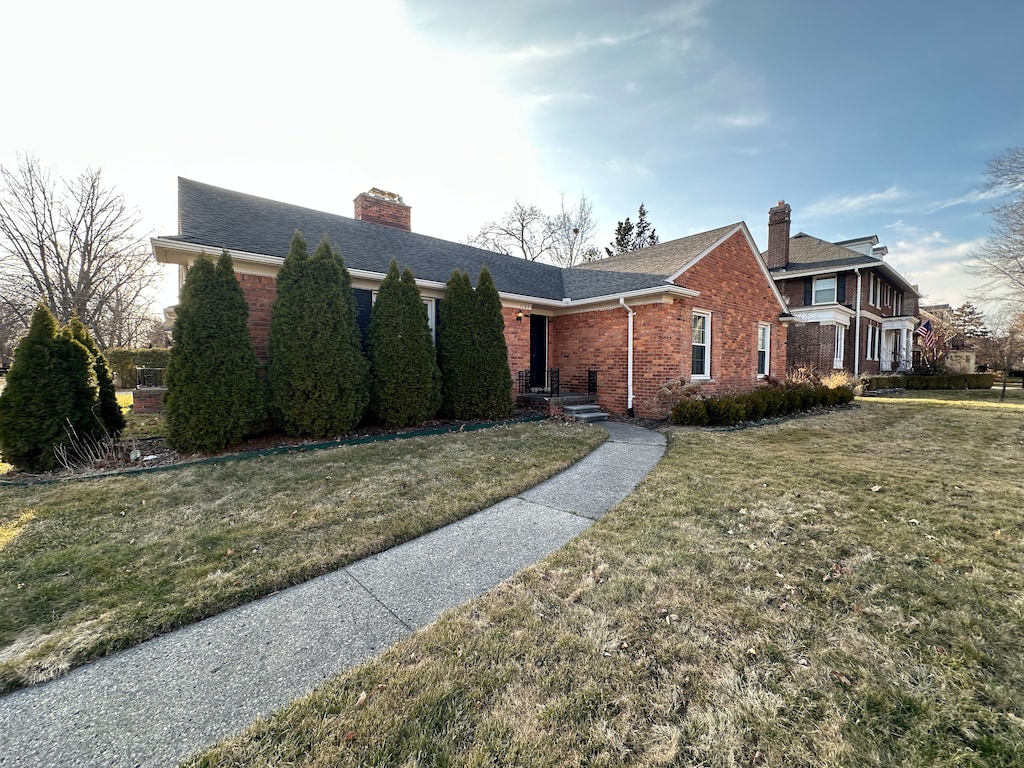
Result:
pixel 825 290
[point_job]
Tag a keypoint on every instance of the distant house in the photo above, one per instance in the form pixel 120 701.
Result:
pixel 702 308
pixel 856 311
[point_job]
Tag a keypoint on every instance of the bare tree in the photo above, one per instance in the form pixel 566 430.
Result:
pixel 563 238
pixel 573 230
pixel 74 244
pixel 1001 258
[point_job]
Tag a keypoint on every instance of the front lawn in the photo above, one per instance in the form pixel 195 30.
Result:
pixel 91 566
pixel 836 590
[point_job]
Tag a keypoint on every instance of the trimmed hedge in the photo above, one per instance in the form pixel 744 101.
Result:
pixel 124 360
pixel 764 403
pixel 941 381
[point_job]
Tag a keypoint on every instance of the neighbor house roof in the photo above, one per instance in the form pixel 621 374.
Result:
pixel 810 255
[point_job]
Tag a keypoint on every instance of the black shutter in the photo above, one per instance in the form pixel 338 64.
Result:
pixel 841 289
pixel 808 291
pixel 364 303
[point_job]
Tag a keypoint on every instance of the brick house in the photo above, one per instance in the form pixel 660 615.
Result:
pixel 856 311
pixel 702 308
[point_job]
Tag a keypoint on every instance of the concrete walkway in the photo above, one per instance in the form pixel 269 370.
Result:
pixel 162 701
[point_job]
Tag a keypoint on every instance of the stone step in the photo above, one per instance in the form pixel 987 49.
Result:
pixel 590 416
pixel 574 410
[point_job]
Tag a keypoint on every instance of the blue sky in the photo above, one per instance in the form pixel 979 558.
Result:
pixel 867 117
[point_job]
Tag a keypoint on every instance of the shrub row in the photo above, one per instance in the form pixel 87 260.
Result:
pixel 942 381
pixel 764 403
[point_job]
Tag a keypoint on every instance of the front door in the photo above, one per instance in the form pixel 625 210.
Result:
pixel 538 351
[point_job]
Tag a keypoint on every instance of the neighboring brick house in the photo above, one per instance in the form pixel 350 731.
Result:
pixel 702 308
pixel 856 311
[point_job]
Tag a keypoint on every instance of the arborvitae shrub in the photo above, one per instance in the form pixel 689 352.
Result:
pixel 457 347
pixel 214 394
pixel 317 371
pixel 108 409
pixel 690 413
pixel 50 390
pixel 493 377
pixel 405 384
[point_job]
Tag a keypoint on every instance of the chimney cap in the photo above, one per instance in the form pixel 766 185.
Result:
pixel 383 194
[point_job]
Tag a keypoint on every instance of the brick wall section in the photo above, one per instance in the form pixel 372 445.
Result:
pixel 388 213
pixel 592 340
pixel 517 339
pixel 736 291
pixel 149 400
pixel 260 292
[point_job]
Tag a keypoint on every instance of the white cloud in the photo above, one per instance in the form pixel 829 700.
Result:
pixel 850 204
pixel 974 196
pixel 936 264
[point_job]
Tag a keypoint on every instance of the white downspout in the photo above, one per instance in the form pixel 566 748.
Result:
pixel 629 358
pixel 856 335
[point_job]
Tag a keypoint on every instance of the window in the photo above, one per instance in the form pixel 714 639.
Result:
pixel 764 332
pixel 874 289
pixel 840 347
pixel 871 352
pixel 824 290
pixel 700 346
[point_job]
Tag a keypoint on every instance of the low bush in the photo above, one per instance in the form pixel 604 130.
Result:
pixel 690 413
pixel 765 403
pixel 942 381
pixel 724 411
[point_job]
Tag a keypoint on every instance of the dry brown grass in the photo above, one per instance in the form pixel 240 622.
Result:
pixel 838 590
pixel 91 566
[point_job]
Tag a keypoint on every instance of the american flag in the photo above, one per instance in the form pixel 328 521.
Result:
pixel 926 334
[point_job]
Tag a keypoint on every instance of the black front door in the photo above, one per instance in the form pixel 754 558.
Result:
pixel 538 350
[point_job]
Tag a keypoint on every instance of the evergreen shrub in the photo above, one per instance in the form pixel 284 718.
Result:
pixel 690 413
pixel 50 393
pixel 317 372
pixel 214 394
pixel 405 383
pixel 108 409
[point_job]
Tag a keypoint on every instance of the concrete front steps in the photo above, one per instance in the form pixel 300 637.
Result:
pixel 585 413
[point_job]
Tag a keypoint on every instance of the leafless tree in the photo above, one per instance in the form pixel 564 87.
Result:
pixel 563 238
pixel 1001 258
pixel 76 245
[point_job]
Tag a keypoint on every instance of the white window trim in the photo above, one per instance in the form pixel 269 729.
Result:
pixel 706 374
pixel 767 328
pixel 835 289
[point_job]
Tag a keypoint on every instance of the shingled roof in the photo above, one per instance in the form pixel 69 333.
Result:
pixel 812 255
pixel 664 259
pixel 217 218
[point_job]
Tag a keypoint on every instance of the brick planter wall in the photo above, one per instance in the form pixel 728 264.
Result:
pixel 148 400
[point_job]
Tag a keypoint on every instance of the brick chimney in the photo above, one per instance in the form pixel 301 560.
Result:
pixel 777 255
pixel 385 208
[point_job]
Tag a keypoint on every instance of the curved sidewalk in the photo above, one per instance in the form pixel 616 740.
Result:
pixel 162 701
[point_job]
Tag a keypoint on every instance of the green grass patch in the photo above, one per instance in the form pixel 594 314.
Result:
pixel 93 566
pixel 842 589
